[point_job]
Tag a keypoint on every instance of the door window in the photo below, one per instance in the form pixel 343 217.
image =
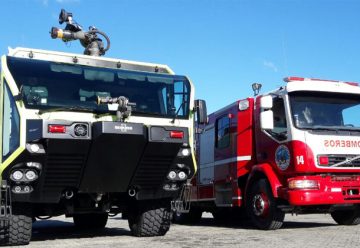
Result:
pixel 11 124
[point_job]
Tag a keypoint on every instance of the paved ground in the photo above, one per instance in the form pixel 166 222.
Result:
pixel 306 231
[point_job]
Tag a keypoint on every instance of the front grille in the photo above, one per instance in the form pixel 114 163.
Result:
pixel 152 171
pixel 335 159
pixel 62 171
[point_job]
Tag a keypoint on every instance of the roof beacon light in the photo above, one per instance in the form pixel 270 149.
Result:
pixel 292 79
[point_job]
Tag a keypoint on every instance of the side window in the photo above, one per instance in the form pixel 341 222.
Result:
pixel 223 132
pixel 11 124
pixel 280 126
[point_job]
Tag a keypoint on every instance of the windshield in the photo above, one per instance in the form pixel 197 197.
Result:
pixel 325 110
pixel 47 85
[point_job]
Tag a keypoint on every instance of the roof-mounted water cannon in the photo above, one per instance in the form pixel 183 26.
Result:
pixel 73 31
pixel 124 106
pixel 256 87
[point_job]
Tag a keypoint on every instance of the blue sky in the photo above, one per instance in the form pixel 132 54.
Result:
pixel 222 45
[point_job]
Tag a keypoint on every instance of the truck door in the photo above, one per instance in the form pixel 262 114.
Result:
pixel 271 141
pixel 206 161
pixel 224 159
pixel 10 124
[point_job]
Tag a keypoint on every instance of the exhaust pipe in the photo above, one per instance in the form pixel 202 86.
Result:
pixel 132 192
pixel 69 194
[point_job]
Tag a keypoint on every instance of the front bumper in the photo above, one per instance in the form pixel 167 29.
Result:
pixel 112 158
pixel 332 190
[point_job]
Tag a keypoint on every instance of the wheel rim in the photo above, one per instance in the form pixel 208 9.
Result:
pixel 260 205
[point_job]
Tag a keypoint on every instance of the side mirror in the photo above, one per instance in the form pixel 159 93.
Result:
pixel 266 102
pixel 266 114
pixel 201 111
pixel 267 120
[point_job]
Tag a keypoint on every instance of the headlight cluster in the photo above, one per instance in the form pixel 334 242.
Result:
pixel 24 176
pixel 177 175
pixel 180 171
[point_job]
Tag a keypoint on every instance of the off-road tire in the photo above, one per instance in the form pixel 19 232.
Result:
pixel 20 226
pixel 91 220
pixel 149 221
pixel 192 217
pixel 347 217
pixel 273 218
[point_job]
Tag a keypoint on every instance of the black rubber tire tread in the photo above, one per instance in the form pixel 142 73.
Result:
pixel 193 217
pixel 347 217
pixel 90 220
pixel 20 228
pixel 275 218
pixel 150 221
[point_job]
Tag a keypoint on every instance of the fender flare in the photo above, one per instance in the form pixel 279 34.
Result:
pixel 261 171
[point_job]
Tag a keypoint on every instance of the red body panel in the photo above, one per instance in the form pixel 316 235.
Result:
pixel 332 190
pixel 252 153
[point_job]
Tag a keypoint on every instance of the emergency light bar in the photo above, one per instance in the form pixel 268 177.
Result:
pixel 292 79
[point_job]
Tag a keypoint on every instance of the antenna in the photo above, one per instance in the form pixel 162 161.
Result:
pixel 74 31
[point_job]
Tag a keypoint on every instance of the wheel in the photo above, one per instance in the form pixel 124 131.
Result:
pixel 90 221
pixel 347 217
pixel 261 206
pixel 149 221
pixel 20 226
pixel 192 217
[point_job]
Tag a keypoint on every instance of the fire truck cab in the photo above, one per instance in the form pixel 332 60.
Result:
pixel 295 149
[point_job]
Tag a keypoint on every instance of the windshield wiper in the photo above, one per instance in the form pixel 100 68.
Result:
pixel 177 112
pixel 66 108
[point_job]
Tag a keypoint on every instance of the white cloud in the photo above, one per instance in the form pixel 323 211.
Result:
pixel 270 65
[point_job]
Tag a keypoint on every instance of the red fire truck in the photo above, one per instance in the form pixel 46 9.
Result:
pixel 295 149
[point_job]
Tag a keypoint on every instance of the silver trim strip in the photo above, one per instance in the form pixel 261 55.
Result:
pixel 204 199
pixel 224 205
pixel 226 161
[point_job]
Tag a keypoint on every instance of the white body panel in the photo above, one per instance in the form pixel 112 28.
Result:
pixel 207 145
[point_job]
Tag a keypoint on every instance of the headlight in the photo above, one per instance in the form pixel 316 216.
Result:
pixel 34 148
pixel 185 152
pixel 30 175
pixel 17 175
pixel 172 175
pixel 17 189
pixel 303 184
pixel 182 175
